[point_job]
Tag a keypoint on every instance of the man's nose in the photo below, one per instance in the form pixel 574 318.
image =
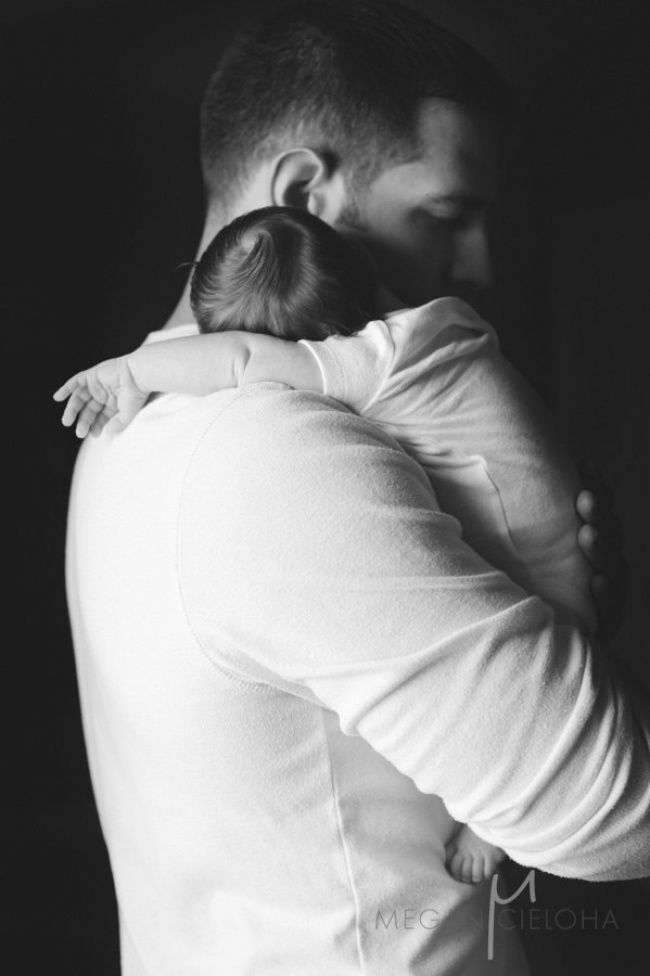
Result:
pixel 471 261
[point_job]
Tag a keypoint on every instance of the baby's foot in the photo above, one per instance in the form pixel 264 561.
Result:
pixel 470 859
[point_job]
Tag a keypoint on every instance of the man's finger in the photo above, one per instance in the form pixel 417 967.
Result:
pixel 594 512
pixel 586 506
pixel 594 483
pixel 603 556
pixel 592 507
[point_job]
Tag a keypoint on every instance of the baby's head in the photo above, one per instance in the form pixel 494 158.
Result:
pixel 282 271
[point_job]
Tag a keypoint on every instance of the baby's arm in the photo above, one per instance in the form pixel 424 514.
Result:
pixel 203 364
pixel 116 389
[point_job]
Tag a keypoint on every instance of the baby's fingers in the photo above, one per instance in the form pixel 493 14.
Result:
pixel 101 422
pixel 75 405
pixel 68 387
pixel 88 417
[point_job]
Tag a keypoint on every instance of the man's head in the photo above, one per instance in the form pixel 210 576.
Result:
pixel 368 115
pixel 283 271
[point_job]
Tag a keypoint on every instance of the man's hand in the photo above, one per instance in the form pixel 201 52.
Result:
pixel 106 392
pixel 600 539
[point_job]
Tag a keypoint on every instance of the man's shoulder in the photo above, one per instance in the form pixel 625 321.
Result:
pixel 177 331
pixel 277 454
pixel 235 440
pixel 275 419
pixel 277 451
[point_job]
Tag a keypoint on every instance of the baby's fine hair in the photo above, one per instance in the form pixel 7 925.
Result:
pixel 282 271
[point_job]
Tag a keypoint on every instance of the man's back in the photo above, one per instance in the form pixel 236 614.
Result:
pixel 285 653
pixel 246 832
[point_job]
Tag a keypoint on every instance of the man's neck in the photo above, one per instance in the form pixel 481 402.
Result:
pixel 183 313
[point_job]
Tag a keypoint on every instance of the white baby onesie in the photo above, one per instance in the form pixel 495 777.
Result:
pixel 433 377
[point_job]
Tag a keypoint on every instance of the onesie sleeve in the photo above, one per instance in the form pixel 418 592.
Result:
pixel 386 357
pixel 353 368
pixel 442 332
pixel 328 567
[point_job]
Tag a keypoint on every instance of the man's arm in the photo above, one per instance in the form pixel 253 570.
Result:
pixel 311 546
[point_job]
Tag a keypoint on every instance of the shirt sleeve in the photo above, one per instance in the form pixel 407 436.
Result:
pixel 312 547
pixel 353 368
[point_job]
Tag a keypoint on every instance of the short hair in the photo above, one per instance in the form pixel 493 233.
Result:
pixel 346 78
pixel 285 272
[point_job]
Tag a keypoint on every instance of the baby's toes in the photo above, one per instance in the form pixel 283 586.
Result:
pixel 468 868
pixel 493 859
pixel 476 868
pixel 465 871
pixel 455 865
pixel 451 849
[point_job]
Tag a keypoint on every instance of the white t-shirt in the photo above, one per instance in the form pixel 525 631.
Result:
pixel 433 378
pixel 285 655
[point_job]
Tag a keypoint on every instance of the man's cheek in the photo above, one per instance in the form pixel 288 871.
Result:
pixel 410 263
pixel 417 280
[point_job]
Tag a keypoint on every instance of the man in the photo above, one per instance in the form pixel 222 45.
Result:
pixel 285 652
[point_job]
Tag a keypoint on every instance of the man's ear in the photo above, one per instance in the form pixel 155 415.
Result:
pixel 304 178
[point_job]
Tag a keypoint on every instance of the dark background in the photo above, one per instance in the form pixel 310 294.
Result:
pixel 104 201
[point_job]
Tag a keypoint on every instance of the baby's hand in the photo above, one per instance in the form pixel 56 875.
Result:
pixel 106 392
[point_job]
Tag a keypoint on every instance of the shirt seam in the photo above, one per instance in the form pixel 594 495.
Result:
pixel 344 848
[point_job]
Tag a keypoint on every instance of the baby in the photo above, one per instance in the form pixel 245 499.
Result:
pixel 281 296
